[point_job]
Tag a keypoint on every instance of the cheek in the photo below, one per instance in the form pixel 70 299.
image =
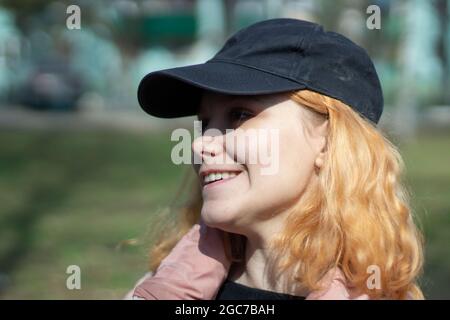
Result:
pixel 295 167
pixel 296 160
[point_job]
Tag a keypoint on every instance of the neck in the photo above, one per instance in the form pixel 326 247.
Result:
pixel 254 272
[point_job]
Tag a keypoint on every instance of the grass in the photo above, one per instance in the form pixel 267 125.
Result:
pixel 428 173
pixel 73 198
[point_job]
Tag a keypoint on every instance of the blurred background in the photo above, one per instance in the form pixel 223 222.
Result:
pixel 83 169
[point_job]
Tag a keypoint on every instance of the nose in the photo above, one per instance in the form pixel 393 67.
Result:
pixel 208 147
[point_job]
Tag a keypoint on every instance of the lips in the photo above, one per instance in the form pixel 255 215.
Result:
pixel 218 176
pixel 214 179
pixel 215 174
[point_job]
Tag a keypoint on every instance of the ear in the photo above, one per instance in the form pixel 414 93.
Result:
pixel 322 133
pixel 318 162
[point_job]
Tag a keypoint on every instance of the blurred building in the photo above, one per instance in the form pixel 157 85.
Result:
pixel 45 66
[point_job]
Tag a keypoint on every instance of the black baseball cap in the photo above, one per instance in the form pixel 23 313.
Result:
pixel 267 57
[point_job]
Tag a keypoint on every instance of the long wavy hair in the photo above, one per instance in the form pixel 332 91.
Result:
pixel 355 216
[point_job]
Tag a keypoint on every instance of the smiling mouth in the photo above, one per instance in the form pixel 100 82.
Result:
pixel 216 178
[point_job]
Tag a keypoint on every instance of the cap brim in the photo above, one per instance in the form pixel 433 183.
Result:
pixel 176 92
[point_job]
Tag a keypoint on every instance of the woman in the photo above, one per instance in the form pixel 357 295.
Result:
pixel 333 219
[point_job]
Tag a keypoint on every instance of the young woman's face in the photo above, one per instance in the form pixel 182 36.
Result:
pixel 261 179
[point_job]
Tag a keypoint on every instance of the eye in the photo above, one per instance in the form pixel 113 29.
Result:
pixel 239 115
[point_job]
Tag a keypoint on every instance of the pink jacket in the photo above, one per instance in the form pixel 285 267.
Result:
pixel 195 269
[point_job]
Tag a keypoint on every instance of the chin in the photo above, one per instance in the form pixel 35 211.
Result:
pixel 219 219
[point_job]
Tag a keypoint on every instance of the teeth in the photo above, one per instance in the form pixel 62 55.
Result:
pixel 218 176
